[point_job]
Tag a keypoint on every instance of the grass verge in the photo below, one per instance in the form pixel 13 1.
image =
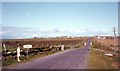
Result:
pixel 99 61
pixel 12 62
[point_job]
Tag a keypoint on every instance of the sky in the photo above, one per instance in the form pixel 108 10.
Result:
pixel 51 19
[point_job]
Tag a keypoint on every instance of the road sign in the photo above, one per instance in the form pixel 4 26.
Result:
pixel 27 46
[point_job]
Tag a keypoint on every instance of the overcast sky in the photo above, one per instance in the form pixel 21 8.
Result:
pixel 50 19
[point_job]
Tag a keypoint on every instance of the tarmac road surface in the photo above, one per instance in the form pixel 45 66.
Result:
pixel 72 59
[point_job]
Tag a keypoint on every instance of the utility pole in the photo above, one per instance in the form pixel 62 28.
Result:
pixel 114 38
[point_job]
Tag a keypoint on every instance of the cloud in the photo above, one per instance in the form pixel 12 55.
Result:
pixel 22 32
pixel 1 32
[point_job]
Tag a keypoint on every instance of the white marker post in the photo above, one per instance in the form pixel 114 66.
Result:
pixel 27 46
pixel 84 43
pixel 18 53
pixel 4 46
pixel 91 43
pixel 62 47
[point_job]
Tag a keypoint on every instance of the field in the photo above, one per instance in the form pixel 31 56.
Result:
pixel 11 45
pixel 43 42
pixel 107 42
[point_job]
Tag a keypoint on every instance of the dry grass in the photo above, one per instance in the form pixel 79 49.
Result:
pixel 107 42
pixel 98 61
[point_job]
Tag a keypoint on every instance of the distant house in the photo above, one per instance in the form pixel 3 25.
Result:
pixel 105 37
pixel 63 36
pixel 98 37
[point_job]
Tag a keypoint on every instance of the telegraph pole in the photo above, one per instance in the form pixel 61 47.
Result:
pixel 114 38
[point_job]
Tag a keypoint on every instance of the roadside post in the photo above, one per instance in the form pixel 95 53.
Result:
pixel 18 53
pixel 4 46
pixel 27 46
pixel 84 43
pixel 62 47
pixel 91 43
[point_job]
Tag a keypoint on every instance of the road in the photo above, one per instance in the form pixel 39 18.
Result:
pixel 72 59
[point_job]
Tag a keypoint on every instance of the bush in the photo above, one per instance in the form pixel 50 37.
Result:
pixel 96 45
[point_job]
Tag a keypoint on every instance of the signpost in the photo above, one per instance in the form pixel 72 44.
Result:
pixel 27 46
